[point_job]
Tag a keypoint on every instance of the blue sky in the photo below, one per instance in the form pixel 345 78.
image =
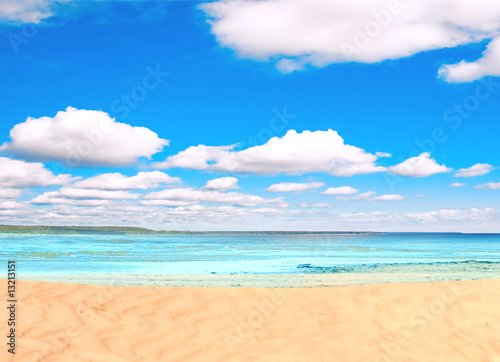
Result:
pixel 267 81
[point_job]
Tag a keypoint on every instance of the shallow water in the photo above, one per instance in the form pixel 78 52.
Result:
pixel 252 254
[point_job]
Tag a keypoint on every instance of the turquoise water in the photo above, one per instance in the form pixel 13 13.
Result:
pixel 253 254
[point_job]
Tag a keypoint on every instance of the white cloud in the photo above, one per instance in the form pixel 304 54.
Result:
pixel 476 170
pixel 454 215
pixel 273 211
pixel 344 190
pixel 6 193
pixel 294 153
pixel 117 181
pixel 53 199
pixel 387 198
pixel 488 186
pixel 170 203
pixel 370 217
pixel 11 205
pixel 440 218
pixel 457 184
pixel 362 196
pixel 488 65
pixel 195 157
pixel 109 212
pixel 297 33
pixel 293 186
pixel 25 11
pixel 368 196
pixel 19 174
pixel 321 205
pixel 234 198
pixel 81 138
pixel 418 166
pixel 318 205
pixel 61 196
pixel 222 184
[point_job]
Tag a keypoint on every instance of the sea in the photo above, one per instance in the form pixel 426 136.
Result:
pixel 246 253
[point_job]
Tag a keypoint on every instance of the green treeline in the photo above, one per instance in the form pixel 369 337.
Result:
pixel 127 230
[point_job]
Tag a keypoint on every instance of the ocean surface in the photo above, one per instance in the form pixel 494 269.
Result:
pixel 247 254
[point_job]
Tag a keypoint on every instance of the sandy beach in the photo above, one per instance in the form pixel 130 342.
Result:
pixel 440 321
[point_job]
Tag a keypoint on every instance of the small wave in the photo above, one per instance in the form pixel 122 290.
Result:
pixel 361 249
pixel 120 241
pixel 104 253
pixel 42 255
pixel 388 267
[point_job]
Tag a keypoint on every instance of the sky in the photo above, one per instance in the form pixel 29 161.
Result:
pixel 327 115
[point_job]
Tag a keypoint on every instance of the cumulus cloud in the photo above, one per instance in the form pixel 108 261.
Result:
pixel 298 33
pixel 439 217
pixel 19 174
pixel 170 203
pixel 318 205
pixel 488 186
pixel 369 217
pixel 6 193
pixel 194 196
pixel 454 215
pixel 273 211
pixel 26 11
pixel 117 181
pixel 362 196
pixel 81 138
pixel 195 157
pixel 457 184
pixel 293 186
pixel 488 65
pixel 368 196
pixel 294 153
pixel 344 190
pixel 222 184
pixel 11 205
pixel 47 199
pixel 387 198
pixel 61 196
pixel 322 205
pixel 476 170
pixel 419 166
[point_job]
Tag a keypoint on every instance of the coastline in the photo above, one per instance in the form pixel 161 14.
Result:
pixel 284 280
pixel 306 276
pixel 378 322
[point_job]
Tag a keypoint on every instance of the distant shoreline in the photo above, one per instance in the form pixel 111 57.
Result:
pixel 128 230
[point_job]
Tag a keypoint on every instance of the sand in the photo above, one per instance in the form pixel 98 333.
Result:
pixel 440 321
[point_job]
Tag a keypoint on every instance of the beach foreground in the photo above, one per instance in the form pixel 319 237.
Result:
pixel 441 321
